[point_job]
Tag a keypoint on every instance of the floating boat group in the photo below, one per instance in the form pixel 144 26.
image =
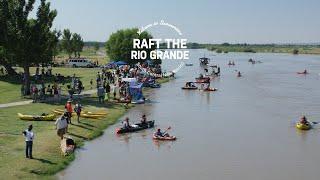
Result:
pixel 142 126
pixel 135 127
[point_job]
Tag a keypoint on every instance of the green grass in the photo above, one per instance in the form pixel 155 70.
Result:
pixel 10 87
pixel 88 52
pixel 47 154
pixel 48 159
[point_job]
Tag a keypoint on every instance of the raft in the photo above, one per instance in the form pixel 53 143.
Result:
pixel 189 88
pixel 303 126
pixel 49 117
pixel 169 138
pixel 135 127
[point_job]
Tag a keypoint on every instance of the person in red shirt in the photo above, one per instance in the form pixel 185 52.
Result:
pixel 69 110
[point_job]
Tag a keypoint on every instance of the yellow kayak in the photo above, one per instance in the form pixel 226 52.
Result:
pixel 49 117
pixel 84 114
pixel 61 111
pixel 303 126
pixel 94 116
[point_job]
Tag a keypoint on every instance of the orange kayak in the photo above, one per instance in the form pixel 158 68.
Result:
pixel 169 138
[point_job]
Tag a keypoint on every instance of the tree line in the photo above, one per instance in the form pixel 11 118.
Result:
pixel 27 42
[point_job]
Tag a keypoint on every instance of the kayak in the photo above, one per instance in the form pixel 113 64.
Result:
pixel 301 73
pixel 169 138
pixel 93 116
pixel 189 64
pixel 155 85
pixel 211 89
pixel 139 101
pixel 189 88
pixel 61 111
pixel 135 127
pixel 49 117
pixel 202 80
pixel 67 146
pixel 302 126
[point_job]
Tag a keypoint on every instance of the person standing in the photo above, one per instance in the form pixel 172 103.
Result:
pixel 78 109
pixel 107 88
pixel 69 110
pixel 29 136
pixel 62 125
pixel 101 94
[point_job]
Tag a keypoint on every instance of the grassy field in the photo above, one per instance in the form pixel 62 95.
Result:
pixel 88 52
pixel 10 87
pixel 47 154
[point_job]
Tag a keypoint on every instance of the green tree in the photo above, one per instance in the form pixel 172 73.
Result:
pixel 96 46
pixel 27 41
pixel 120 44
pixel 77 44
pixel 295 51
pixel 66 42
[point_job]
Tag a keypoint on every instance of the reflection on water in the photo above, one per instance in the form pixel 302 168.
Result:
pixel 243 131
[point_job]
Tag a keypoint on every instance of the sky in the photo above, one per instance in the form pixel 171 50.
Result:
pixel 202 21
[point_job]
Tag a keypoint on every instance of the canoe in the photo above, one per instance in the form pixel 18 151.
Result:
pixel 302 126
pixel 135 127
pixel 189 88
pixel 67 146
pixel 189 64
pixel 169 138
pixel 49 117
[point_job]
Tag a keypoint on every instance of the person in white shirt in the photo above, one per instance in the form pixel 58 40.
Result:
pixel 61 125
pixel 29 136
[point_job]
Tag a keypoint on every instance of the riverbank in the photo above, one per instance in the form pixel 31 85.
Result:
pixel 47 154
pixel 267 48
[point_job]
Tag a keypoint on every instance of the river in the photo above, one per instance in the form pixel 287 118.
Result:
pixel 244 131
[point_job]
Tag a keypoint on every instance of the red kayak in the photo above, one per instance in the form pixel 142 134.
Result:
pixel 302 73
pixel 166 138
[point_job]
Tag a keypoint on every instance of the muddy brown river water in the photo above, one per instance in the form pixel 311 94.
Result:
pixel 244 131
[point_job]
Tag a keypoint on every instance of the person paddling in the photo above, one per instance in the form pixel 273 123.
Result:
pixel 303 120
pixel 158 133
pixel 143 119
pixel 239 74
pixel 126 123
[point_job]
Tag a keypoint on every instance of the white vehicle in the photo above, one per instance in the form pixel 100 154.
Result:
pixel 80 62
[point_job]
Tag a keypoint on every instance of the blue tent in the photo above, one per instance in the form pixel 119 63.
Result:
pixel 136 91
pixel 116 63
pixel 120 63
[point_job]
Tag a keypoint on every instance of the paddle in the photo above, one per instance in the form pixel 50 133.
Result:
pixel 167 130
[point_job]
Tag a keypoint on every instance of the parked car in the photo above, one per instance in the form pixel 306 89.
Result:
pixel 80 62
